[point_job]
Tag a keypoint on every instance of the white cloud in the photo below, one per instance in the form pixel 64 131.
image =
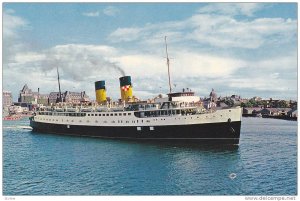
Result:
pixel 201 48
pixel 79 65
pixel 233 9
pixel 215 30
pixel 23 58
pixel 125 34
pixel 12 43
pixel 111 11
pixel 91 14
pixel 11 24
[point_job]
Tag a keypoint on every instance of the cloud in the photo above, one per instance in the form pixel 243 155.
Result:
pixel 234 56
pixel 111 11
pixel 232 9
pixel 214 30
pixel 126 34
pixel 12 42
pixel 11 24
pixel 91 14
pixel 79 65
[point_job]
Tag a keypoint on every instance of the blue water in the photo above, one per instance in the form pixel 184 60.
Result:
pixel 265 163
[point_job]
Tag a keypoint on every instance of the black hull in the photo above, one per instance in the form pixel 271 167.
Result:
pixel 212 133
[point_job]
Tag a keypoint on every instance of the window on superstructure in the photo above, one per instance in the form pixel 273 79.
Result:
pixel 107 114
pixel 88 114
pixel 124 114
pixel 120 114
pixel 92 114
pixel 116 114
pixel 111 114
pixel 129 114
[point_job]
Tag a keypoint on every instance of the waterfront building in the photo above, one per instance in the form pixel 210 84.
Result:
pixel 292 113
pixel 7 99
pixel 26 95
pixel 68 97
pixel 252 110
pixel 42 99
pixel 275 111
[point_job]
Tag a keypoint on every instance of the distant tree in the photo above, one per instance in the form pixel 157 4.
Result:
pixel 282 104
pixel 247 104
pixel 253 102
pixel 229 102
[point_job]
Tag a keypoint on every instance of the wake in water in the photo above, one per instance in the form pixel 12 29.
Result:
pixel 17 127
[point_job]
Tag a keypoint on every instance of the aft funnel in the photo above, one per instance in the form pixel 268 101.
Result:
pixel 126 88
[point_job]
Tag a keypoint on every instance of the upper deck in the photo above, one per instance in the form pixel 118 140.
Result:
pixel 138 110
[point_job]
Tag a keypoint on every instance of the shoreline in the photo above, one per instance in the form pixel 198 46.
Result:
pixel 271 117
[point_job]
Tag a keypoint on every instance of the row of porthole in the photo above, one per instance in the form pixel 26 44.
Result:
pixel 121 120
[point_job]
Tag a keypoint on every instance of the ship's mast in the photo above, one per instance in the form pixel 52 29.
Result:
pixel 168 64
pixel 60 99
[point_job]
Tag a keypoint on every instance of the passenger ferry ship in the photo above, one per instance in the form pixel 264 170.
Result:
pixel 180 117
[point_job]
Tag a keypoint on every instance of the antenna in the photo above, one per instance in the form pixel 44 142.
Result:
pixel 168 64
pixel 60 99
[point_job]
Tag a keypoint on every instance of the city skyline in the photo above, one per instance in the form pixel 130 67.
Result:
pixel 248 49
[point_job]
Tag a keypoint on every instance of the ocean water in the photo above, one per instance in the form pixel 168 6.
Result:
pixel 265 163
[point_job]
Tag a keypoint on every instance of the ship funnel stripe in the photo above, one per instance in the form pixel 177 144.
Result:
pixel 126 80
pixel 100 85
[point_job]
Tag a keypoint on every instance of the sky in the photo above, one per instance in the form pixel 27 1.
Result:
pixel 247 49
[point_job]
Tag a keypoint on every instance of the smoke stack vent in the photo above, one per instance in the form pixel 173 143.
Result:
pixel 126 88
pixel 100 91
